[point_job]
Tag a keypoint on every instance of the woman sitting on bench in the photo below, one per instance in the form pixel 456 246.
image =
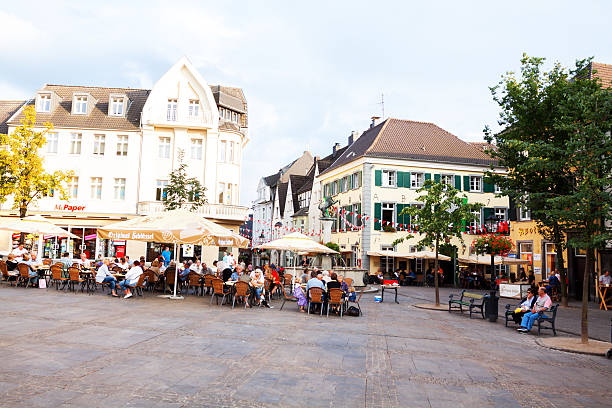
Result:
pixel 524 307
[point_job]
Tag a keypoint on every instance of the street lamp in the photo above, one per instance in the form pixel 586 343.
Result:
pixel 490 222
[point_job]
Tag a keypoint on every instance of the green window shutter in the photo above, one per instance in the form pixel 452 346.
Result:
pixel 486 213
pixel 337 183
pixel 350 182
pixel 488 187
pixel 360 179
pixel 398 210
pixel 358 222
pixel 437 178
pixel 407 179
pixel 427 176
pixel 377 215
pixel 465 201
pixel 458 182
pixel 400 178
pixel 466 183
pixel 378 178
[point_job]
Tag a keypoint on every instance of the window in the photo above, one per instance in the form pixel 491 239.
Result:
pixel 229 194
pixel 417 180
pixel 171 114
pixel 356 214
pixel 75 143
pixel 388 178
pixel 99 145
pixel 96 188
pixel 334 188
pixel 304 200
pixel 234 117
pixel 387 263
pixel 343 186
pixel 476 222
pixel 80 106
pixel 194 108
pixel 221 151
pixel 525 214
pixel 52 139
pixel 356 179
pixel 117 106
pixel 447 179
pixel 122 145
pixel 160 190
pixel 73 187
pixel 119 189
pixel 44 102
pixel 164 147
pixel 500 214
pixel 498 189
pixel 221 192
pixel 231 152
pixel 196 149
pixel 476 184
pixel 221 113
pixel 388 213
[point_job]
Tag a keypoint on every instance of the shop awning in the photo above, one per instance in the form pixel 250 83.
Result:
pixel 409 255
pixel 299 243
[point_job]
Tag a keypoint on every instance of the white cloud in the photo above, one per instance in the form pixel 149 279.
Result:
pixel 18 35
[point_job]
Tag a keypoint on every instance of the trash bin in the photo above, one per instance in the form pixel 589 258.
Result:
pixel 491 306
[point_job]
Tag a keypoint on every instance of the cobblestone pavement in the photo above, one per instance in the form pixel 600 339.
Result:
pixel 75 350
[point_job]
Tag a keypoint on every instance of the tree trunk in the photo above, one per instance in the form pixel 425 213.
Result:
pixel 23 210
pixel 436 275
pixel 560 264
pixel 584 329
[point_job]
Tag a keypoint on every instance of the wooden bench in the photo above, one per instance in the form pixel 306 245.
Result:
pixel 552 314
pixel 470 300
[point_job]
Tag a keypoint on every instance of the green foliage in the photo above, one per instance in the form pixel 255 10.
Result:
pixel 183 191
pixel 333 245
pixel 22 175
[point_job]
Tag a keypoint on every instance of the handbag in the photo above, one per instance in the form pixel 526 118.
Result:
pixel 42 284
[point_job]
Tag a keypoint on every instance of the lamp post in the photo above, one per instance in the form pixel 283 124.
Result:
pixel 492 306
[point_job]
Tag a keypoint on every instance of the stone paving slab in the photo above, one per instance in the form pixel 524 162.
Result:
pixel 152 352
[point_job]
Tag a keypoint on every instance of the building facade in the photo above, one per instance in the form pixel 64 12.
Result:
pixel 122 143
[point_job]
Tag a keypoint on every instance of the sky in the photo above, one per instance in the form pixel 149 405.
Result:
pixel 312 72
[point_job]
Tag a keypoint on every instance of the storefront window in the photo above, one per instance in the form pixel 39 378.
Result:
pixel 550 259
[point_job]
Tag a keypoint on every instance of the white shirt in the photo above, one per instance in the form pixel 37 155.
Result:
pixel 102 273
pixel 260 280
pixel 133 273
pixel 19 253
pixel 85 262
pixel 196 268
pixel 124 266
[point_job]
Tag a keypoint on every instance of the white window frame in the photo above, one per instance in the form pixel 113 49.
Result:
pixel 231 152
pixel 96 188
pixel 477 222
pixel 222 151
pixel 160 188
pixel 171 112
pixel 497 189
pixel 119 189
pixel 122 145
pixel 221 192
pixel 99 145
pixel 194 108
pixel 417 179
pixel 76 140
pixel 44 102
pixel 447 177
pixel 73 187
pixel 524 214
pixel 389 178
pixel 500 213
pixel 389 206
pixel 52 142
pixel 196 149
pixel 117 106
pixel 475 184
pixel 229 193
pixel 163 151
pixel 80 107
pixel 355 180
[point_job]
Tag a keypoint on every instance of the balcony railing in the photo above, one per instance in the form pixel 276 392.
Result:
pixel 218 211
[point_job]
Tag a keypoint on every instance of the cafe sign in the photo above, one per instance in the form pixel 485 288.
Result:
pixel 69 207
pixel 527 231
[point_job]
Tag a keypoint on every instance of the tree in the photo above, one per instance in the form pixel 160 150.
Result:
pixel 440 219
pixel 22 175
pixel 531 147
pixel 183 191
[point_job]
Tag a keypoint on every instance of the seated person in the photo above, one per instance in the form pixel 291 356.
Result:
pixel 275 284
pixel 522 275
pixel 11 264
pixel 227 273
pixel 325 276
pixel 542 304
pixel 155 268
pixel 236 274
pixel 123 264
pixel 396 275
pixel 131 279
pixel 305 275
pixel 34 262
pixel 316 280
pixel 299 294
pixel 83 261
pixel 429 277
pixel 103 275
pixel 605 279
pixel 184 273
pixel 198 267
pixel 333 282
pixel 245 276
pixel 25 258
pixel 343 285
pixel 257 283
pixel 524 307
pixel 553 282
pixel 66 261
pixel 411 278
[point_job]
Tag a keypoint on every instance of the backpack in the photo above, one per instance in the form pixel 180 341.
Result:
pixel 352 311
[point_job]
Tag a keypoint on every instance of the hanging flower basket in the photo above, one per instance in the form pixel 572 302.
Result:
pixel 492 244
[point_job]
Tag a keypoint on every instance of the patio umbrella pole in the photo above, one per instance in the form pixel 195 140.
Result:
pixel 39 252
pixel 176 273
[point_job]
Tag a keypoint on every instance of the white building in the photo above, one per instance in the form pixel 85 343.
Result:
pixel 122 143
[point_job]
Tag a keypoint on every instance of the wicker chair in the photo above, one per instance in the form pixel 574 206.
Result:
pixel 24 274
pixel 335 298
pixel 75 278
pixel 195 282
pixel 241 289
pixel 47 261
pixel 287 298
pixel 349 281
pixel 169 274
pixel 151 280
pixel 218 290
pixel 208 278
pixel 288 278
pixel 267 286
pixel 315 296
pixel 5 275
pixel 57 276
pixel 139 284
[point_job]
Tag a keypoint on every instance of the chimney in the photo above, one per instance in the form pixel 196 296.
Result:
pixel 354 136
pixel 375 121
pixel 336 147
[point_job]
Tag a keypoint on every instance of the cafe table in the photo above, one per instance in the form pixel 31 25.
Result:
pixel 602 295
pixel 388 287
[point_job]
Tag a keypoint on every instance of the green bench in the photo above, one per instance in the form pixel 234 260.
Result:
pixel 470 300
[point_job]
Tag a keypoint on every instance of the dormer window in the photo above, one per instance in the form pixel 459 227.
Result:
pixel 44 103
pixel 171 114
pixel 80 104
pixel 194 108
pixel 117 105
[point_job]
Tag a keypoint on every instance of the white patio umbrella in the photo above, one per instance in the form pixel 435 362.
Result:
pixel 176 227
pixel 479 259
pixel 35 224
pixel 297 242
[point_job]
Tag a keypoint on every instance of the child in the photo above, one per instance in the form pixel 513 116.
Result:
pixel 298 293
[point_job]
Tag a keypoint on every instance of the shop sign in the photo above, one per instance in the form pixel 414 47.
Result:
pixel 527 231
pixel 69 207
pixel 188 251
pixel 537 257
pixel 89 237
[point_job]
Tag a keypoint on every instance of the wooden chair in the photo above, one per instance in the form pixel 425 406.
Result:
pixel 169 274
pixel 75 278
pixel 24 274
pixel 138 286
pixel 315 296
pixel 334 297
pixel 241 289
pixel 267 286
pixel 208 278
pixel 287 279
pixel 218 290
pixel 47 261
pixel 6 276
pixel 151 280
pixel 356 301
pixel 57 276
pixel 349 281
pixel 194 281
pixel 287 298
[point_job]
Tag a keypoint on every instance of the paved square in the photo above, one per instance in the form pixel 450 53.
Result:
pixel 74 350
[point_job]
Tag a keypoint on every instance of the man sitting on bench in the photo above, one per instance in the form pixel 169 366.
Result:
pixel 542 304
